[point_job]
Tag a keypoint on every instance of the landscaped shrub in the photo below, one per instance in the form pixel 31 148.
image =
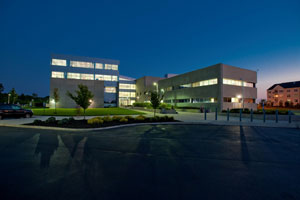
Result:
pixel 63 121
pixel 37 122
pixel 123 119
pixel 95 120
pixel 51 120
pixel 130 118
pixel 144 104
pixel 140 118
pixel 165 106
pixel 116 118
pixel 107 119
pixel 71 119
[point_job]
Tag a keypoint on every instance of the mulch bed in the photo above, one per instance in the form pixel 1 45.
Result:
pixel 84 124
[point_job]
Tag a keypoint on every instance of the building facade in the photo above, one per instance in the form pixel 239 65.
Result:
pixel 219 86
pixel 284 94
pixel 100 75
pixel 127 91
pixel 144 85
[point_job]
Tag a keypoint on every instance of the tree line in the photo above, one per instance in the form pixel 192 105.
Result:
pixel 23 99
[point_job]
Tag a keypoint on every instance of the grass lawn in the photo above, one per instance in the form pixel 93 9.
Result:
pixel 89 112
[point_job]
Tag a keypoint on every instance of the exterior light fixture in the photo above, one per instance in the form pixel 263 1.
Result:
pixel 91 101
pixel 239 96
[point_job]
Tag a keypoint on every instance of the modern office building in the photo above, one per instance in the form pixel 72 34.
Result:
pixel 100 75
pixel 219 86
pixel 284 94
pixel 127 89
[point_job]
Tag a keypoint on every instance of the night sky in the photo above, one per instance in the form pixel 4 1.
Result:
pixel 149 37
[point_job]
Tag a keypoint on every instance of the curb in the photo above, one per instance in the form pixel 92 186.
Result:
pixel 156 123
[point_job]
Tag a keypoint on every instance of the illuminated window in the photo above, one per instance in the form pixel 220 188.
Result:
pixel 235 100
pixel 73 76
pixel 237 82
pixel 124 94
pixel 114 78
pixel 110 90
pixel 114 67
pixel 202 100
pixel 87 76
pixel 57 75
pixel 59 62
pixel 107 77
pixel 99 66
pixel 99 77
pixel 132 94
pixel 111 67
pixel 82 64
pixel 205 82
pixel 127 86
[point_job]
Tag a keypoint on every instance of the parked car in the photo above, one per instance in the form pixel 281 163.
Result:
pixel 11 110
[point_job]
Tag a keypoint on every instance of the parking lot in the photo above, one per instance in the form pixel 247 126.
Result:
pixel 151 162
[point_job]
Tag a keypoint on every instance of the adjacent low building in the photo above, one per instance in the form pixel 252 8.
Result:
pixel 284 94
pixel 218 86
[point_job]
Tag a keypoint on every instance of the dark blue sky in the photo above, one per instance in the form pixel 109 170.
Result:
pixel 149 37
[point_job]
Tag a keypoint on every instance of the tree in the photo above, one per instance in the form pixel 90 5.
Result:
pixel 1 90
pixel 13 96
pixel 84 97
pixel 55 98
pixel 155 101
pixel 287 104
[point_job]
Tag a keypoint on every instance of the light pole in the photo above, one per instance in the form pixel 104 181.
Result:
pixel 155 84
pixel 8 98
pixel 242 93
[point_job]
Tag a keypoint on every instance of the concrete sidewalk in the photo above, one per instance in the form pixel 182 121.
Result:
pixel 186 117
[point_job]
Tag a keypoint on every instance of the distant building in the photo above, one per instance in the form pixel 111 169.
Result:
pixel 284 94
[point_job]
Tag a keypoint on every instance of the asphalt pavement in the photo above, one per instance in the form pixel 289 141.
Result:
pixel 151 162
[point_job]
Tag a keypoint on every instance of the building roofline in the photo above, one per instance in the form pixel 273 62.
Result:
pixel 291 84
pixel 85 58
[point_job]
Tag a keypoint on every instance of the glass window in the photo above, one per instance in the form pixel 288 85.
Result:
pixel 82 64
pixel 87 76
pixel 99 77
pixel 111 67
pixel 107 66
pixel 114 78
pixel 73 75
pixel 237 82
pixel 124 94
pixel 114 67
pixel 107 77
pixel 205 82
pixel 99 66
pixel 127 86
pixel 132 94
pixel 57 75
pixel 110 90
pixel 59 62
